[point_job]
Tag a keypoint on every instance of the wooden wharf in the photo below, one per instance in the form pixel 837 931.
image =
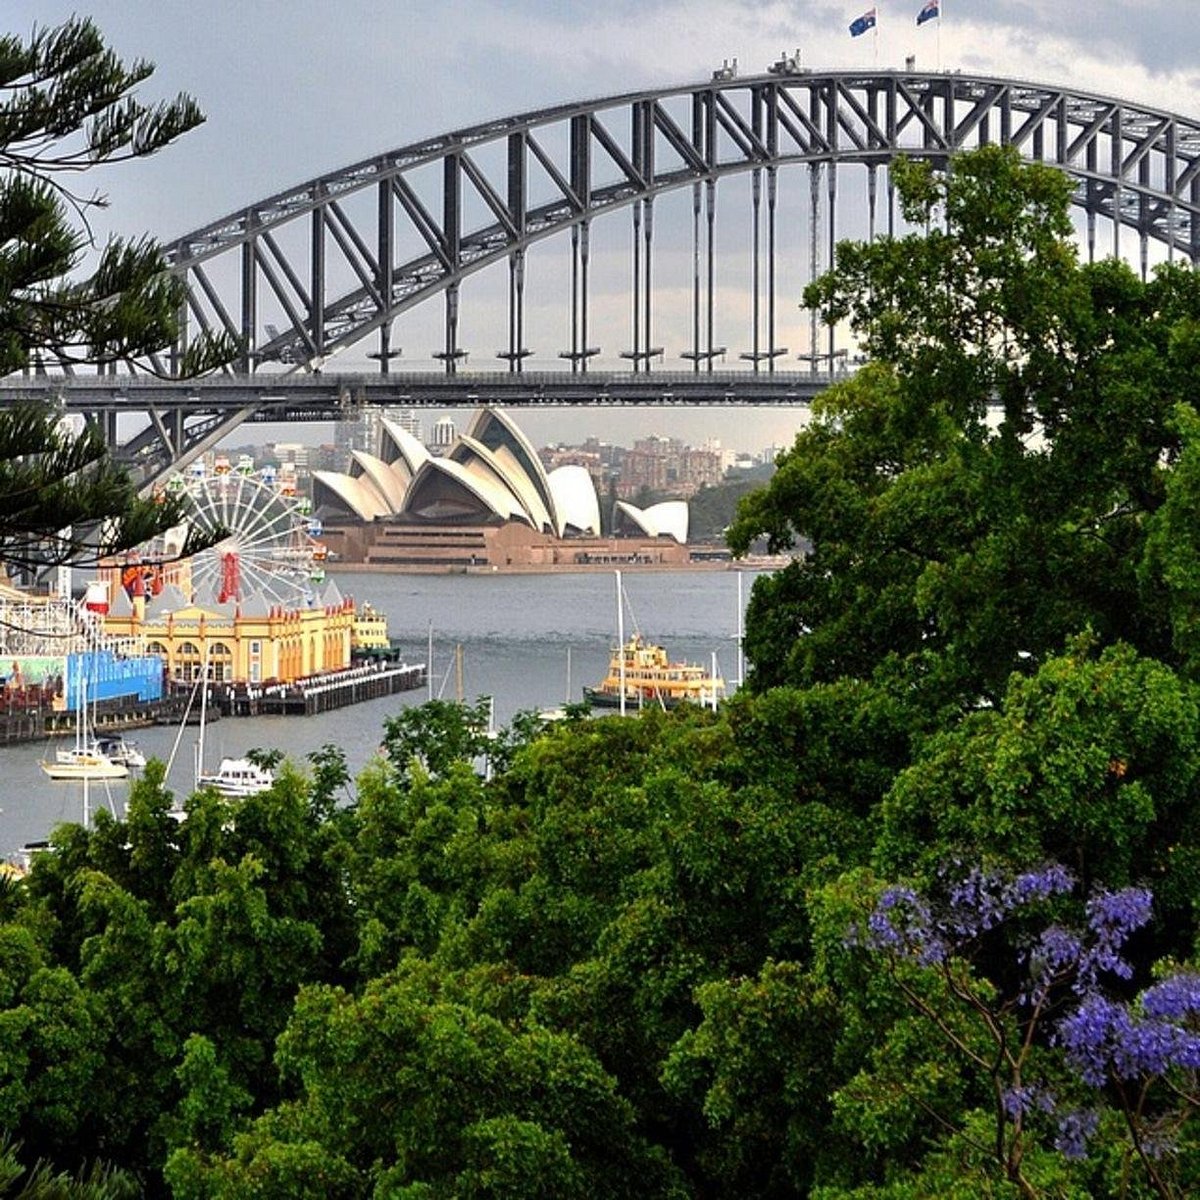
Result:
pixel 318 693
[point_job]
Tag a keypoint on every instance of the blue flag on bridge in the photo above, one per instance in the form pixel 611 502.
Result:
pixel 860 25
pixel 930 12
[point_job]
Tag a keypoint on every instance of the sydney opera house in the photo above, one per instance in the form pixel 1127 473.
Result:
pixel 486 502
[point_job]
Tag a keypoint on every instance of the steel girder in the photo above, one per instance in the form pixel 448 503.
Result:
pixel 1134 166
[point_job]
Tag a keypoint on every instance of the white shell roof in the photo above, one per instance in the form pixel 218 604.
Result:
pixel 474 455
pixel 669 519
pixel 358 495
pixel 492 470
pixel 511 447
pixel 388 482
pixel 401 451
pixel 480 489
pixel 576 504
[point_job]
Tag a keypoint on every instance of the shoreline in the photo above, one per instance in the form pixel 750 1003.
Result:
pixel 758 563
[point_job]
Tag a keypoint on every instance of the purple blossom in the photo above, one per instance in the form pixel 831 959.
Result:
pixel 1175 998
pixel 1055 952
pixel 976 904
pixel 1119 913
pixel 1102 1037
pixel 1089 1034
pixel 901 922
pixel 1104 1041
pixel 1112 917
pixel 981 900
pixel 1075 1130
pixel 1021 1101
pixel 1051 880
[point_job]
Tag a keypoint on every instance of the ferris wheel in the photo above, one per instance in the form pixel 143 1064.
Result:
pixel 271 547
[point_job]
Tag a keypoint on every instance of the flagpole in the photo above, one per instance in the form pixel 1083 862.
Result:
pixel 941 5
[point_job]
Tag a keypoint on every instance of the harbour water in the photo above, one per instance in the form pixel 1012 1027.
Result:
pixel 518 634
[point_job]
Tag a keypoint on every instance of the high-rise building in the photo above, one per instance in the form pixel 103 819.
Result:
pixel 444 434
pixel 359 432
pixel 407 419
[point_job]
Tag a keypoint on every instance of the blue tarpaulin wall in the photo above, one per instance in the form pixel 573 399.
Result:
pixel 111 678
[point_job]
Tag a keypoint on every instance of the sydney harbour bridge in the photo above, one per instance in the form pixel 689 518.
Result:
pixel 302 278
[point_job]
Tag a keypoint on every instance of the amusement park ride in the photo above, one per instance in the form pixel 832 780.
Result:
pixel 272 545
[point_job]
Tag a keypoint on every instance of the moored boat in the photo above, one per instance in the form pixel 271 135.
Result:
pixel 237 777
pixel 85 760
pixel 119 750
pixel 651 678
pixel 370 640
pixel 84 764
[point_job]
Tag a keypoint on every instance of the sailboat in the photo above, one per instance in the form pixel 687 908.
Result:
pixel 235 777
pixel 85 760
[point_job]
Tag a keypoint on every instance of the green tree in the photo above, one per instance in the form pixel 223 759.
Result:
pixel 69 104
pixel 949 546
pixel 43 1182
pixel 431 737
pixel 416 1092
pixel 758 1066
pixel 1091 762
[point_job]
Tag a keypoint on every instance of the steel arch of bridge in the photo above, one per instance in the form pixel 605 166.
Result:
pixel 1134 167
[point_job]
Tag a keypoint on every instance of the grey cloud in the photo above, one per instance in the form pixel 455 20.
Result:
pixel 1160 35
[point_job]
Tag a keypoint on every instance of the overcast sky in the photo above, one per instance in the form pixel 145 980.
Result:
pixel 295 90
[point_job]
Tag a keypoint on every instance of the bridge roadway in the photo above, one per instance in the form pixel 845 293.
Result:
pixel 158 426
pixel 329 397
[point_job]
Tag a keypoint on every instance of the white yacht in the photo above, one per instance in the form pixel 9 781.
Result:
pixel 236 777
pixel 120 751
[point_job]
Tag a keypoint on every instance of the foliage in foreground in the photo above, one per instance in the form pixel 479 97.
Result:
pixel 623 965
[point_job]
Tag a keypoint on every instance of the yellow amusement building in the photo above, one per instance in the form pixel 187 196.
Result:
pixel 250 640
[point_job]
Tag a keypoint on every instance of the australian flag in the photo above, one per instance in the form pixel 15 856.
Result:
pixel 929 12
pixel 860 25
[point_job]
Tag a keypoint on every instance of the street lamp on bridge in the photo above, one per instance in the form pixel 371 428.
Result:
pixel 838 357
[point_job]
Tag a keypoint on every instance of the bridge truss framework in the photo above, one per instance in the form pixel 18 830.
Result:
pixel 339 258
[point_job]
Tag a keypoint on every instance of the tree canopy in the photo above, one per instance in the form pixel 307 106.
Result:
pixel 992 483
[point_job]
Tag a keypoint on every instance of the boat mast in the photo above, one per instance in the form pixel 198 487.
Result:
pixel 80 742
pixel 429 662
pixel 203 714
pixel 621 639
pixel 741 654
pixel 81 711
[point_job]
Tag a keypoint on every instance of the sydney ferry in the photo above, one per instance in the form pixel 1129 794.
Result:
pixel 652 679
